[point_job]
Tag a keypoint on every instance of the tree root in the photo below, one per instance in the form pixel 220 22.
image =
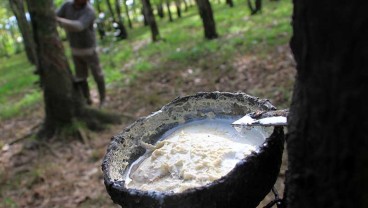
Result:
pixel 96 120
pixel 89 118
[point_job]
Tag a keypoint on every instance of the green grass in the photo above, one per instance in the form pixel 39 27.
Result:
pixel 183 44
pixel 17 86
pixel 28 100
pixel 16 74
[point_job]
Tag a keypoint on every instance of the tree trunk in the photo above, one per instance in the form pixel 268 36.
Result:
pixel 108 3
pixel 63 100
pixel 327 141
pixel 145 22
pixel 17 7
pixel 230 3
pixel 122 30
pixel 98 6
pixel 160 10
pixel 148 13
pixel 100 22
pixel 60 97
pixel 256 8
pixel 178 8
pixel 128 15
pixel 112 14
pixel 205 11
pixel 168 10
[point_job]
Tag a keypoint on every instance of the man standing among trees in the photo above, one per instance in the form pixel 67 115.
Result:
pixel 77 18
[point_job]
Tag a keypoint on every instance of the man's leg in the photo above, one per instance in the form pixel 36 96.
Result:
pixel 81 70
pixel 98 75
pixel 85 91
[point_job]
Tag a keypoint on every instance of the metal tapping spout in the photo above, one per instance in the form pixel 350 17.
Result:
pixel 262 118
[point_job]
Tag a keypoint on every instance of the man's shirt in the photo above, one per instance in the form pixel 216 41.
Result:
pixel 79 27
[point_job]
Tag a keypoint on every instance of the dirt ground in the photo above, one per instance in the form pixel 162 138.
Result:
pixel 67 173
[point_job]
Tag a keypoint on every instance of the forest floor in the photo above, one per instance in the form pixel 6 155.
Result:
pixel 67 173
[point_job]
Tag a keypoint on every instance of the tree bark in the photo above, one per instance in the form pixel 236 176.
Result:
pixel 230 3
pixel 257 8
pixel 178 8
pixel 145 21
pixel 148 13
pixel 17 7
pixel 100 22
pixel 60 97
pixel 108 3
pixel 160 10
pixel 327 141
pixel 168 10
pixel 98 6
pixel 123 34
pixel 63 101
pixel 128 15
pixel 205 11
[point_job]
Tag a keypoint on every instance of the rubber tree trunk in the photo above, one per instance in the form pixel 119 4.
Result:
pixel 230 3
pixel 257 8
pixel 327 141
pixel 98 6
pixel 62 100
pixel 17 6
pixel 178 7
pixel 108 3
pixel 112 15
pixel 148 13
pixel 168 10
pixel 100 22
pixel 145 21
pixel 160 10
pixel 123 34
pixel 205 11
pixel 128 15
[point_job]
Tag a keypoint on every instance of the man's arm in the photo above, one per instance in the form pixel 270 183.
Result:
pixel 77 25
pixel 70 25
